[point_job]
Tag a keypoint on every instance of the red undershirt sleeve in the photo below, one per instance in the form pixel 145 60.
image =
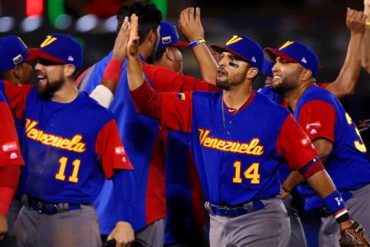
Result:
pixel 166 80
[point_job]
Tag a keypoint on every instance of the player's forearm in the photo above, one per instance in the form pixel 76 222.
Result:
pixel 295 178
pixel 207 64
pixel 321 183
pixel 366 40
pixel 346 81
pixel 147 101
pixel 9 177
pixel 135 73
pixel 112 74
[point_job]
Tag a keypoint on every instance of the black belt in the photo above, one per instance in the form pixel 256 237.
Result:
pixel 234 211
pixel 43 207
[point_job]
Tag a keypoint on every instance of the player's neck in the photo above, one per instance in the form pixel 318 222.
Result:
pixel 236 97
pixel 65 94
pixel 294 95
pixel 145 50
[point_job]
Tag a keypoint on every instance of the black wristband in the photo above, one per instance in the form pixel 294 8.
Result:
pixel 343 218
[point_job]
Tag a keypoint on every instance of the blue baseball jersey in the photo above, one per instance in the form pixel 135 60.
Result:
pixel 322 116
pixel 237 154
pixel 69 148
pixel 185 212
pixel 141 136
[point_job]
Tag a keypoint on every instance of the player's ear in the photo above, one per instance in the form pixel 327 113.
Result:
pixel 306 74
pixel 169 54
pixel 152 36
pixel 69 70
pixel 252 73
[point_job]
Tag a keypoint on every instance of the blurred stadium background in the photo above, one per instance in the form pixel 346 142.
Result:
pixel 319 23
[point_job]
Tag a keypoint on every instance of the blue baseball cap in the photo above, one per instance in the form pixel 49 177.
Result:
pixel 245 49
pixel 60 48
pixel 13 52
pixel 169 36
pixel 296 52
pixel 267 68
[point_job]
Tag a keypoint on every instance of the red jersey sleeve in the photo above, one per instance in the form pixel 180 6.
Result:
pixel 9 177
pixel 10 153
pixel 17 96
pixel 294 145
pixel 174 110
pixel 166 80
pixel 317 117
pixel 110 150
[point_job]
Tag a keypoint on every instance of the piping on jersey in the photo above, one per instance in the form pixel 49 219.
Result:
pixel 252 147
pixel 74 144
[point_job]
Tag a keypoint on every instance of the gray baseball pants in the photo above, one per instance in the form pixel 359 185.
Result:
pixel 263 228
pixel 359 209
pixel 74 228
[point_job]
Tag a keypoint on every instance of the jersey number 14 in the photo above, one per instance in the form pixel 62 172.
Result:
pixel 252 173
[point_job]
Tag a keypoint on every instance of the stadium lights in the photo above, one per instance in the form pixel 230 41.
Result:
pixel 6 24
pixel 86 23
pixel 110 24
pixel 31 23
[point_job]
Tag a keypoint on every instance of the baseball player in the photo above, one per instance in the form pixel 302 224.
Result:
pixel 143 138
pixel 342 87
pixel 185 213
pixel 15 69
pixel 10 162
pixel 331 130
pixel 69 152
pixel 236 151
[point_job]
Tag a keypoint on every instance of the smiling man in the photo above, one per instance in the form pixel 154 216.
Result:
pixel 330 129
pixel 69 152
pixel 236 151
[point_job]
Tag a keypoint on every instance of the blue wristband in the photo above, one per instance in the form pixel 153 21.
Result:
pixel 194 43
pixel 334 202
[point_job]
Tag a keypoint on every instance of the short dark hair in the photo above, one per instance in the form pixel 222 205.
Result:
pixel 149 17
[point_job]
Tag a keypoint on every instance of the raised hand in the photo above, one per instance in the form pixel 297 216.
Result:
pixel 120 44
pixel 190 24
pixel 133 43
pixel 356 21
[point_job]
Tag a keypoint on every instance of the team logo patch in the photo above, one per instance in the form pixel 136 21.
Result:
pixel 49 39
pixel 17 59
pixel 316 125
pixel 305 141
pixel 313 127
pixel 13 156
pixel 181 96
pixel 233 40
pixel 286 44
pixel 10 147
pixel 119 150
pixel 166 40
